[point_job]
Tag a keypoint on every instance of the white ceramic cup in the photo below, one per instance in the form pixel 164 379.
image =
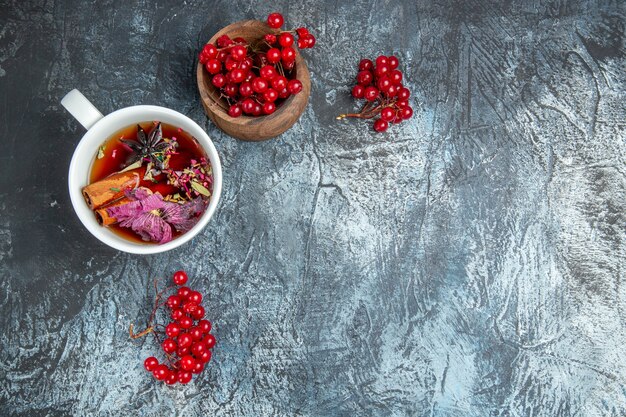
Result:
pixel 99 129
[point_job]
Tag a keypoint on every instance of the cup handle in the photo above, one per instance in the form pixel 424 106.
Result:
pixel 81 108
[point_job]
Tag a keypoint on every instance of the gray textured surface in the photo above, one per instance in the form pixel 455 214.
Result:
pixel 468 263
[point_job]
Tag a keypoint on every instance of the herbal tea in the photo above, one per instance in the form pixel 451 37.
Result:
pixel 149 182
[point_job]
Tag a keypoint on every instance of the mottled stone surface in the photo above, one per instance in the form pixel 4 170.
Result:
pixel 468 263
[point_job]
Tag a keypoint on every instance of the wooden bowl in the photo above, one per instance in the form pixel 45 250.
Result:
pixel 251 128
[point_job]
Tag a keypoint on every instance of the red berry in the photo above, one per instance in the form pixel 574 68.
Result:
pixel 358 91
pixel 171 378
pixel 238 52
pixel 366 65
pixel 404 94
pixel 270 95
pixel 213 66
pixel 245 89
pixel 284 93
pixel 235 110
pixel 257 110
pixel 273 55
pixel 230 64
pixel 205 326
pixel 205 357
pixel 269 107
pixel 204 58
pixel 169 345
pixel 231 89
pixel 183 351
pixel 289 65
pixel 381 70
pixel 393 62
pixel 392 91
pixel 198 349
pixel 209 341
pixel 294 87
pixel 302 44
pixel 187 362
pixel 185 340
pixel 195 297
pixel 387 114
pixel 150 363
pixel 189 307
pixel 177 314
pixel 172 330
pixel 406 112
pixel 238 75
pixel 183 377
pixel 210 50
pixel 275 20
pixel 371 93
pixel 285 40
pixel 259 85
pixel 198 367
pixel 173 301
pixel 183 292
pixel 268 72
pixel 160 372
pixel 381 60
pixel 218 80
pixel 383 84
pixel 395 76
pixel 364 78
pixel 270 38
pixel 302 32
pixel 309 41
pixel 222 55
pixel 224 41
pixel 380 125
pixel 402 103
pixel 196 333
pixel 279 82
pixel 185 322
pixel 288 54
pixel 247 105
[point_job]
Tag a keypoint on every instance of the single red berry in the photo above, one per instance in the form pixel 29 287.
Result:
pixel 198 367
pixel 289 65
pixel 222 55
pixel 384 83
pixel 245 65
pixel 231 90
pixel 302 32
pixel 279 82
pixel 171 378
pixel 259 85
pixel 371 93
pixel 183 292
pixel 381 60
pixel 364 78
pixel 198 349
pixel 218 80
pixel 381 70
pixel 237 75
pixel 294 86
pixel 268 72
pixel 187 362
pixel 169 345
pixel 273 55
pixel 302 44
pixel 392 91
pixel 402 103
pixel 238 52
pixel 275 20
pixel 210 50
pixel 198 313
pixel 183 351
pixel 395 76
pixel 177 314
pixel 240 40
pixel 235 110
pixel 213 66
pixel 173 301
pixel 150 363
pixel 183 377
pixel 189 307
pixel 172 330
pixel 366 65
pixel 270 95
pixel 404 94
pixel 387 114
pixel 257 110
pixel 358 91
pixel 406 112
pixel 205 357
pixel 286 39
pixel 270 38
pixel 204 58
pixel 269 107
pixel 185 322
pixel 224 41
pixel 245 89
pixel 393 62
pixel 230 64
pixel 160 372
pixel 284 93
pixel 205 326
pixel 380 125
pixel 196 333
pixel 247 105
pixel 209 341
pixel 185 340
pixel 309 40
pixel 288 54
pixel 195 297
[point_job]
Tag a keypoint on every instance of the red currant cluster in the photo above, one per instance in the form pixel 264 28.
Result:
pixel 188 342
pixel 381 85
pixel 255 77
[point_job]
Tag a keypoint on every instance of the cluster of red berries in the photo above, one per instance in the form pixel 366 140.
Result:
pixel 381 85
pixel 189 340
pixel 254 77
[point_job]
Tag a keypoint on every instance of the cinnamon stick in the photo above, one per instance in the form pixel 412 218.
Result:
pixel 102 215
pixel 111 188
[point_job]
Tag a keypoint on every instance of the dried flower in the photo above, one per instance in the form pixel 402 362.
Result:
pixel 194 181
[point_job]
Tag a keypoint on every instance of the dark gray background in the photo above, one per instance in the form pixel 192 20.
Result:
pixel 470 262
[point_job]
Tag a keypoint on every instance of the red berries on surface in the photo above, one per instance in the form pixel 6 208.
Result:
pixel 380 83
pixel 188 343
pixel 294 87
